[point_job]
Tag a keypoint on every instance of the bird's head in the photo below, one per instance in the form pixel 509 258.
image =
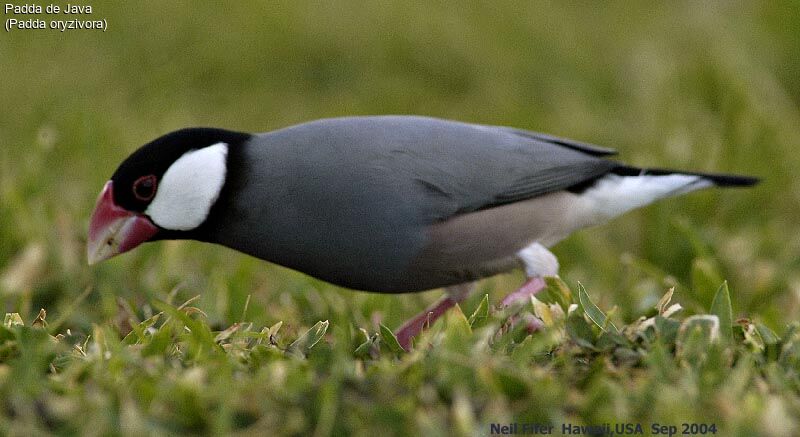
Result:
pixel 167 187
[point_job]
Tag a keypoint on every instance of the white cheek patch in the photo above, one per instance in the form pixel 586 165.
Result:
pixel 189 188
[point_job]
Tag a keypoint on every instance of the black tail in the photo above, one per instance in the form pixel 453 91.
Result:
pixel 720 180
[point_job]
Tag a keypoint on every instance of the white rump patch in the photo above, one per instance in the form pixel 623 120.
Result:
pixel 538 261
pixel 613 195
pixel 189 188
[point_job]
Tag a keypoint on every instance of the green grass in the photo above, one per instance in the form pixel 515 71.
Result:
pixel 172 373
pixel 711 87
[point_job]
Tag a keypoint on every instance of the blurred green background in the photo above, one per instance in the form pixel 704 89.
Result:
pixel 706 86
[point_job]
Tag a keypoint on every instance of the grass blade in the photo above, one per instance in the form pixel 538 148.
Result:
pixel 481 313
pixel 721 307
pixel 595 314
pixel 311 337
pixel 390 340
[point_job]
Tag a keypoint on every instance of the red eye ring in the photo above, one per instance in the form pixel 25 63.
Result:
pixel 144 188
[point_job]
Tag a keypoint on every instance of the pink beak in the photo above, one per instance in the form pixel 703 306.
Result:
pixel 114 230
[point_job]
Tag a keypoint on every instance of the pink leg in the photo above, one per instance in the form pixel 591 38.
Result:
pixel 425 319
pixel 529 288
pixel 413 327
pixel 531 323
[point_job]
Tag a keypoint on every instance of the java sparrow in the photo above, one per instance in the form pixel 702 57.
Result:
pixel 388 204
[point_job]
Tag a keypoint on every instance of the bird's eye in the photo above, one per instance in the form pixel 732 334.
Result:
pixel 145 188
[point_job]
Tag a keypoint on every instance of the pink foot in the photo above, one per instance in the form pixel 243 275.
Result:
pixel 529 288
pixel 531 323
pixel 413 327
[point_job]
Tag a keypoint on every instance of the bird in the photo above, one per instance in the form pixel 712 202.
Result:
pixel 386 204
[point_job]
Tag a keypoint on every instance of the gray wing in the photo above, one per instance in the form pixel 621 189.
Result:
pixel 442 168
pixel 590 149
pixel 451 168
pixel 332 195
